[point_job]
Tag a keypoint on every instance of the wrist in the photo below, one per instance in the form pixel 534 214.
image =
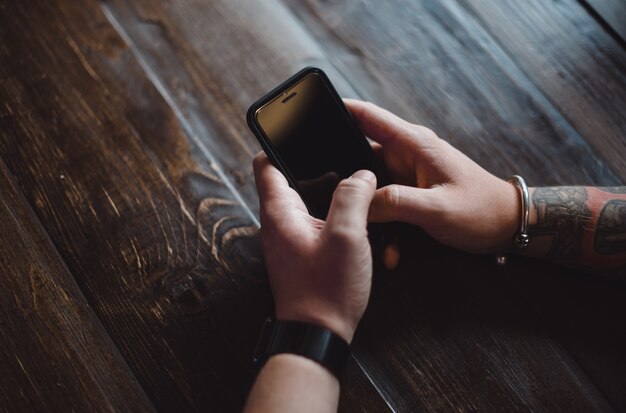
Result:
pixel 297 364
pixel 509 210
pixel 539 245
pixel 304 339
pixel 334 323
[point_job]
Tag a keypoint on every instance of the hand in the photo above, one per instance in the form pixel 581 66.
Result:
pixel 320 271
pixel 437 187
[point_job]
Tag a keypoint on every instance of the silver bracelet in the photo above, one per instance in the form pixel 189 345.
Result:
pixel 522 239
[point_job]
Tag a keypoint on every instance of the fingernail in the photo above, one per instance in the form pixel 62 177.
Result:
pixel 364 174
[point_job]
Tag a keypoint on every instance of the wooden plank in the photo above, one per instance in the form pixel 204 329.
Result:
pixel 449 332
pixel 575 63
pixel 268 54
pixel 137 205
pixel 163 252
pixel 610 12
pixel 358 393
pixel 54 353
pixel 214 59
pixel 582 70
pixel 172 41
pixel 584 314
pixel 433 63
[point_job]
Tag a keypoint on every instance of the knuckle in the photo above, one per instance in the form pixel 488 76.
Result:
pixel 340 235
pixel 350 185
pixel 425 133
pixel 391 195
pixel 349 188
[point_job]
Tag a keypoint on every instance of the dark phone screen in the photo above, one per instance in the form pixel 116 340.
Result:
pixel 315 140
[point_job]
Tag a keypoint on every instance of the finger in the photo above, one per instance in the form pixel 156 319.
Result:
pixel 379 124
pixel 350 204
pixel 406 204
pixel 270 182
pixel 391 255
pixel 273 187
pixel 378 150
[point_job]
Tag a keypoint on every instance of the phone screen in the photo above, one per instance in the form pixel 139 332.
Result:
pixel 314 140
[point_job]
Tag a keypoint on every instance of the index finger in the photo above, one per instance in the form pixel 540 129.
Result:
pixel 378 123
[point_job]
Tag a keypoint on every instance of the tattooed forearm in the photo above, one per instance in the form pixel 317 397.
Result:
pixel 611 231
pixel 581 226
pixel 613 189
pixel 562 213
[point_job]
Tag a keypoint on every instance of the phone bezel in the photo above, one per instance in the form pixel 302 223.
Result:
pixel 277 92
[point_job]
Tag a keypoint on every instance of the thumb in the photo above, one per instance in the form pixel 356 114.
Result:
pixel 351 202
pixel 416 206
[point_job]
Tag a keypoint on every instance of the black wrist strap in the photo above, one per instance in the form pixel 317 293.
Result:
pixel 307 340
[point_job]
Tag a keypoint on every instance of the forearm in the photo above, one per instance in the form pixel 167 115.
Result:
pixel 580 226
pixel 289 383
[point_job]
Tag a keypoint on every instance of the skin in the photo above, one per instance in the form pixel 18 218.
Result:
pixel 580 227
pixel 437 187
pixel 460 204
pixel 320 272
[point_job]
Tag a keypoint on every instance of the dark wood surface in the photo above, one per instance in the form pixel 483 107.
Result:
pixel 126 184
pixel 611 14
pixel 53 345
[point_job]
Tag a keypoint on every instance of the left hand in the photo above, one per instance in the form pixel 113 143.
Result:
pixel 437 187
pixel 320 271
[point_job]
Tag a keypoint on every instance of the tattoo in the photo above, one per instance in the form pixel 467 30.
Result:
pixel 562 212
pixel 611 232
pixel 613 189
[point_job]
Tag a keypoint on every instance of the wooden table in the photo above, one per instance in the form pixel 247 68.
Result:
pixel 131 277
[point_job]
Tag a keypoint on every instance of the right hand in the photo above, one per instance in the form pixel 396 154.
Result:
pixel 320 272
pixel 437 187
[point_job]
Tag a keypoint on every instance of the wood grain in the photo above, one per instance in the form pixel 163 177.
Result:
pixel 123 124
pixel 575 63
pixel 613 12
pixel 431 63
pixel 214 59
pixel 540 134
pixel 164 253
pixel 54 353
pixel 449 331
pixel 430 75
pixel 138 207
pixel 584 314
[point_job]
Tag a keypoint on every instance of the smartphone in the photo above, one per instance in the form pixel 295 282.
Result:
pixel 310 136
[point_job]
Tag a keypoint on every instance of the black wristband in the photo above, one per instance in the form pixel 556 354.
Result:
pixel 307 340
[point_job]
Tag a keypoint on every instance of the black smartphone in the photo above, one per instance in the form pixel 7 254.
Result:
pixel 310 136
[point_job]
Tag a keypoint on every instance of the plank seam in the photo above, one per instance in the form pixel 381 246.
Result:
pixel 516 72
pixel 608 28
pixel 154 79
pixel 160 87
pixel 520 78
pixel 524 81
pixel 72 278
pixel 382 394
